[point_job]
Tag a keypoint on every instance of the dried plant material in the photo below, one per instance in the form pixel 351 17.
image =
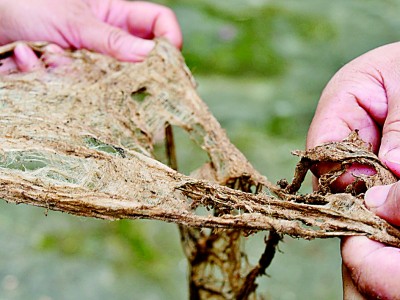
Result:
pixel 79 139
pixel 346 153
pixel 74 139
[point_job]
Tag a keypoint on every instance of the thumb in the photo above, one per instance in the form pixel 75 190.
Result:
pixel 113 41
pixel 384 201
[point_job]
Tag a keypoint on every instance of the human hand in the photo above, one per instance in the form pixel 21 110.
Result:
pixel 118 28
pixel 365 95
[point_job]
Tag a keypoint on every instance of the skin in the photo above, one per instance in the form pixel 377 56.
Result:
pixel 118 28
pixel 365 95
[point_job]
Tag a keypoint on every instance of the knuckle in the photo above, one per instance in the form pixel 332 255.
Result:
pixel 115 40
pixel 168 12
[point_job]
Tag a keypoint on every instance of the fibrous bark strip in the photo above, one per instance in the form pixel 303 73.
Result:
pixel 80 138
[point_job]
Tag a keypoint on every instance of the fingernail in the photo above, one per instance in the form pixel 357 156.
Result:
pixel 376 196
pixel 392 160
pixel 143 48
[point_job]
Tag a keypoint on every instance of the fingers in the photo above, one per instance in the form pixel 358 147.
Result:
pixel 373 267
pixel 352 173
pixel 54 56
pixel 164 22
pixel 23 59
pixel 339 112
pixel 363 95
pixel 119 28
pixel 145 20
pixel 353 99
pixel 7 66
pixel 26 59
pixel 350 291
pixel 385 202
pixel 104 38
pixel 124 29
pixel 389 152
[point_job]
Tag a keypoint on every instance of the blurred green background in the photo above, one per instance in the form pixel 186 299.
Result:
pixel 261 66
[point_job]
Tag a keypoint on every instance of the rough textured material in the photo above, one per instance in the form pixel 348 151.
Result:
pixel 80 139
